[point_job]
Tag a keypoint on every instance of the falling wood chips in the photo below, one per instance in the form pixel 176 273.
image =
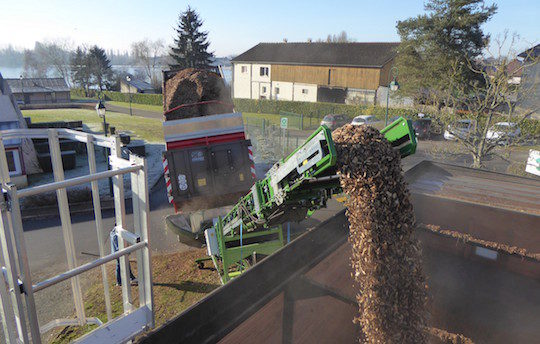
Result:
pixel 385 256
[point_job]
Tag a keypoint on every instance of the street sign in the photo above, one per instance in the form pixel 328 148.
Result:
pixel 284 122
pixel 533 163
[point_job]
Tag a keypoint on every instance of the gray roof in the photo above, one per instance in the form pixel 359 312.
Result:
pixel 37 85
pixel 531 53
pixel 140 85
pixel 322 54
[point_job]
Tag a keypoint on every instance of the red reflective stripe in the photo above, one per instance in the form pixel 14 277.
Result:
pixel 205 141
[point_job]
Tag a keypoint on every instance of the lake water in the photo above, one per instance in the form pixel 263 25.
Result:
pixel 15 72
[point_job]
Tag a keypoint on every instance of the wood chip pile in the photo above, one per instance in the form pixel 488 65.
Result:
pixel 193 85
pixel 385 256
pixel 467 238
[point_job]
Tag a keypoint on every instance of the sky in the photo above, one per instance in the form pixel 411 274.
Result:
pixel 233 26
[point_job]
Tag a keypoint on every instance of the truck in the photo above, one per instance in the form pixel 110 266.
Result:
pixel 208 159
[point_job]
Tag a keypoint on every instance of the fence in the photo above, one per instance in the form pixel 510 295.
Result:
pixel 17 305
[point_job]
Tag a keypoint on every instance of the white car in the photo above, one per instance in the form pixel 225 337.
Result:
pixel 461 129
pixel 367 120
pixel 503 132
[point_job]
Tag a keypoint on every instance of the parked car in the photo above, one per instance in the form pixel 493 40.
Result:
pixel 334 121
pixel 503 132
pixel 368 120
pixel 422 128
pixel 461 129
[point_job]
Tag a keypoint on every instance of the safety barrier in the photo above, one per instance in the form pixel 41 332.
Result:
pixel 17 289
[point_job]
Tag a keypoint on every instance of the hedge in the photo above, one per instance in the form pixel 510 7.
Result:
pixel 138 98
pixel 317 110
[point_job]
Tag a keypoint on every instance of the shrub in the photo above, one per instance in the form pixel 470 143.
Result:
pixel 317 110
pixel 138 98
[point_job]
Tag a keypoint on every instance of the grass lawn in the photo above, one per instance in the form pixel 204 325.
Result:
pixel 178 283
pixel 149 129
pixel 155 108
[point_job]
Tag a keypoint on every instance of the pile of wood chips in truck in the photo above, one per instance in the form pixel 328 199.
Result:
pixel 191 86
pixel 386 258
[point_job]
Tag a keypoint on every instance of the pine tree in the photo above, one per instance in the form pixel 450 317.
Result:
pixel 436 47
pixel 100 67
pixel 80 69
pixel 191 46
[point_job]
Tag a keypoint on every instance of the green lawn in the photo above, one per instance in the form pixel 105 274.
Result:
pixel 149 129
pixel 156 108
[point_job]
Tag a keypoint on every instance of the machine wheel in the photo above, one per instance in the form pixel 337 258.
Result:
pixel 200 265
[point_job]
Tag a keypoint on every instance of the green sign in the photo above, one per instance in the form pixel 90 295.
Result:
pixel 284 122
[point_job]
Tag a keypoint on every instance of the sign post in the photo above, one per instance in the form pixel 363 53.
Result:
pixel 533 163
pixel 283 124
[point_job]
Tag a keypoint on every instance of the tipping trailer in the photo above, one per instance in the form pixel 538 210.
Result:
pixel 208 159
pixel 304 292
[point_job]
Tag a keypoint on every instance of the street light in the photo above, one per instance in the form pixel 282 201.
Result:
pixel 128 79
pixel 100 109
pixel 394 86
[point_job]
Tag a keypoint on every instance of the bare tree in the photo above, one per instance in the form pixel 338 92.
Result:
pixel 148 54
pixel 49 57
pixel 341 37
pixel 494 97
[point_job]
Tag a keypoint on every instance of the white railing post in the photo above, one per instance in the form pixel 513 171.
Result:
pixel 120 212
pixel 91 153
pixel 139 185
pixel 7 240
pixel 65 218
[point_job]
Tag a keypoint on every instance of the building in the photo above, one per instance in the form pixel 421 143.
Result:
pixel 136 86
pixel 20 153
pixel 39 90
pixel 314 72
pixel 531 80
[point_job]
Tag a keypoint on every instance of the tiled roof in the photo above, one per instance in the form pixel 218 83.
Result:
pixel 322 54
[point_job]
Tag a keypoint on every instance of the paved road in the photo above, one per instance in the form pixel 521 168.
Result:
pixel 136 112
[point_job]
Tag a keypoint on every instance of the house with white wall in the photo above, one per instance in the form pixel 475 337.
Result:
pixel 313 72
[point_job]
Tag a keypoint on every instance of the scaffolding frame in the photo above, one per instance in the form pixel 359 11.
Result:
pixel 17 305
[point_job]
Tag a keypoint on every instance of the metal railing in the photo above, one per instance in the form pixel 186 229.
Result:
pixel 17 304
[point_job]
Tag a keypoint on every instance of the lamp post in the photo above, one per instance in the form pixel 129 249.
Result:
pixel 128 79
pixel 100 109
pixel 394 86
pixel 22 88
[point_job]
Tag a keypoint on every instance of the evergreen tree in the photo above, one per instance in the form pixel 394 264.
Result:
pixel 99 67
pixel 80 69
pixel 437 48
pixel 191 46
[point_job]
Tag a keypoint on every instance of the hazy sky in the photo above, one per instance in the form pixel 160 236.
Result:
pixel 233 26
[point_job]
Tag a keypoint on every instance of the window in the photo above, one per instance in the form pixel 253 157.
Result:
pixel 264 71
pixel 304 91
pixel 263 89
pixel 276 90
pixel 244 69
pixel 14 162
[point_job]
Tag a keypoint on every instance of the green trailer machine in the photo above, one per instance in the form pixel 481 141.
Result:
pixel 292 190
